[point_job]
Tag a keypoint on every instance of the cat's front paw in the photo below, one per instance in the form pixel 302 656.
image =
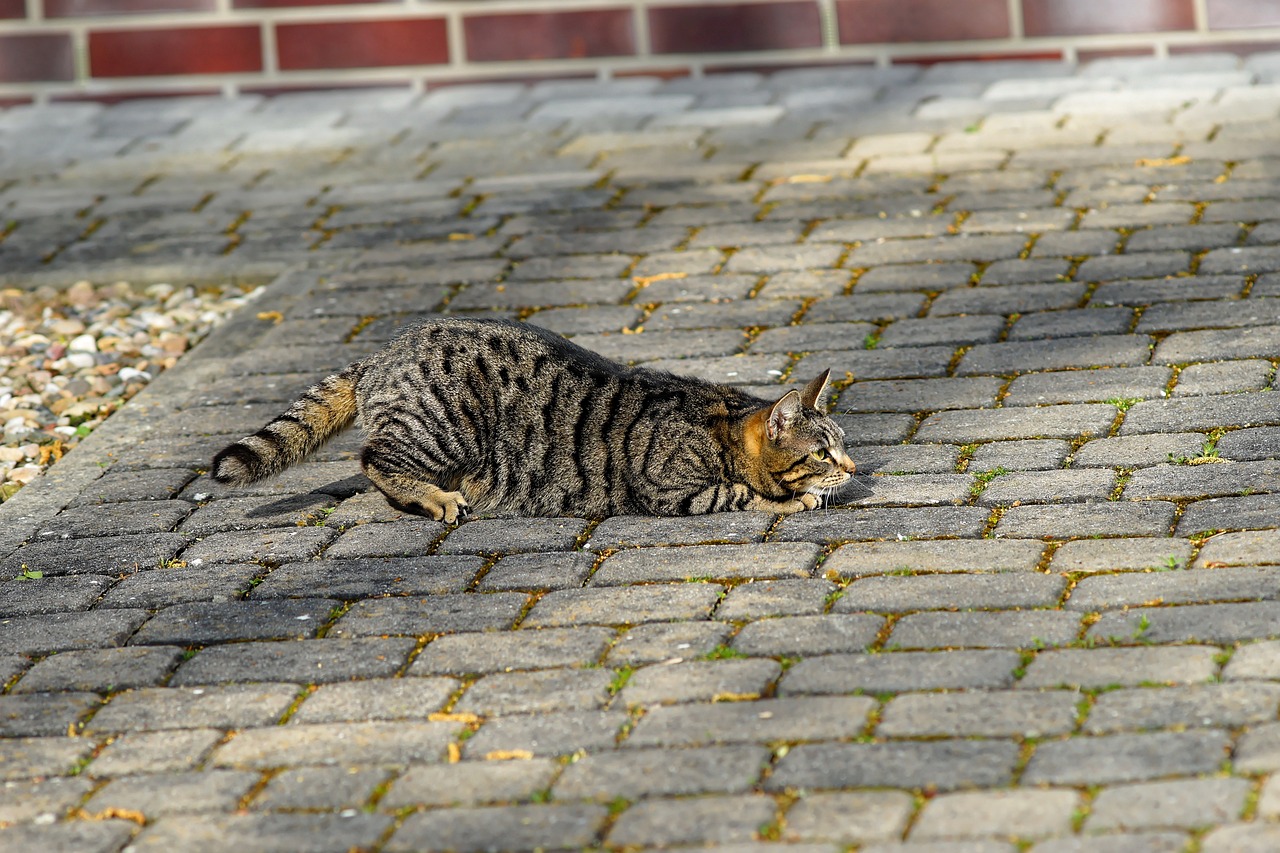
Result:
pixel 809 501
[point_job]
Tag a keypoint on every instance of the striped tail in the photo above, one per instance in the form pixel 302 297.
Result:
pixel 321 412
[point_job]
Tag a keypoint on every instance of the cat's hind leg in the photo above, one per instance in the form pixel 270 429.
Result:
pixel 410 492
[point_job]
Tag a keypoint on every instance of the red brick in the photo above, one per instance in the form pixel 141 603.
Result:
pixel 13 9
pixel 90 8
pixel 549 35
pixel 759 26
pixel 36 58
pixel 1233 14
pixel 193 50
pixel 281 4
pixel 877 21
pixel 362 44
pixel 1092 17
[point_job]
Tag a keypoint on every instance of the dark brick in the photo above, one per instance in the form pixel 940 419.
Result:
pixel 100 555
pixel 222 622
pixel 437 614
pixel 370 577
pixel 301 662
pixel 942 765
pixel 901 671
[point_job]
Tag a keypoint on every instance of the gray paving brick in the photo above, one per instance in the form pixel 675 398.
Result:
pixel 1213 623
pixel 231 706
pixel 99 555
pixel 899 671
pixel 907 459
pixel 511 535
pixel 1104 555
pixel 1069 323
pixel 554 733
pixel 942 765
pixel 1124 383
pixel 103 837
pixel 663 641
pixel 1104 667
pixel 537 691
pixel 919 395
pixel 757 599
pixel 533 827
pixel 100 670
pixel 375 699
pixel 157 588
pixel 469 783
pixel 219 622
pixel 370 577
pixel 405 538
pixel 780 560
pixel 1172 587
pixel 1253 660
pixel 811 336
pixel 320 788
pixel 371 743
pixel 897 594
pixel 1223 378
pixel 538 571
pixel 1022 629
pixel 882 523
pixel 29 801
pixel 277 545
pixel 1226 705
pixel 302 662
pixel 809 635
pixel 1244 513
pixel 44 714
pixel 1028 454
pixel 1057 354
pixel 250 513
pixel 858 817
pixel 1008 299
pixel 710 820
pixel 437 614
pixel 758 721
pixel 160 794
pixel 864 558
pixel 973 425
pixel 1240 549
pixel 996 814
pixel 57 632
pixel 700 681
pixel 1029 487
pixel 898 363
pixel 1127 757
pixel 1137 451
pixel 871 307
pixel 25 596
pixel 505 651
pixel 168 751
pixel 1107 518
pixel 981 713
pixel 1145 291
pixel 136 517
pixel 624 605
pixel 927 331
pixel 636 773
pixel 312 833
pixel 628 531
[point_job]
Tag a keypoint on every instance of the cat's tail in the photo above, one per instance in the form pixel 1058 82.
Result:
pixel 321 412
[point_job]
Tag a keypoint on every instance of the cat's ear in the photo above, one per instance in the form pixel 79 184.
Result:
pixel 814 394
pixel 783 414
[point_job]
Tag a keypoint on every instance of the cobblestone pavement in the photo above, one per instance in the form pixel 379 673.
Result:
pixel 1051 293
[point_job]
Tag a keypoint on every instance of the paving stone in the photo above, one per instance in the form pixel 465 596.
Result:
pixel 1240 549
pixel 370 577
pixel 1126 757
pixel 510 535
pixel 907 459
pixel 1072 323
pixel 871 558
pixel 44 714
pixel 437 614
pixel 899 671
pixel 408 537
pixel 304 833
pixel 99 555
pixel 636 773
pixel 897 363
pixel 804 636
pixel 1057 354
pixel 1243 513
pixel 1213 623
pixel 1107 518
pixel 1258 750
pixel 538 572
pixel 1110 667
pixel 135 518
pixel 155 484
pixel 929 276
pixel 871 307
pixel 974 425
pixel 760 721
pixel 702 821
pixel 1022 629
pixel 159 794
pixel 231 706
pixel 1000 814
pixel 100 670
pixel 157 588
pixel 1007 299
pixel 534 827
pixel 694 315
pixel 874 428
pixel 469 783
pixel 302 662
pixel 375 699
pixel 1028 454
pixel 664 641
pixel 1173 481
pixel 537 691
pixel 1173 587
pixel 756 599
pixel 320 788
pixel 25 596
pixel 780 560
pixel 1242 837
pixel 279 545
pixel 919 395
pixel 169 751
pixel 1256 443
pixel 1145 291
pixel 941 765
pixel 370 743
pixel 629 531
pixel 58 632
pixel 624 605
pixel 1229 705
pixel 839 525
pixel 555 733
pixel 927 331
pixel 40 800
pixel 102 837
pixel 898 594
pixel 499 652
pixel 699 681
pixel 220 622
pixel 1103 555
pixel 1057 487
pixel 1094 386
pixel 251 513
pixel 1254 660
pixel 857 817
pixel 1137 451
pixel 986 714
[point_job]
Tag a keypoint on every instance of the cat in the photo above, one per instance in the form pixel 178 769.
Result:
pixel 496 416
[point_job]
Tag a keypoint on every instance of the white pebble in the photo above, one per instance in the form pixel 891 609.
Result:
pixel 82 343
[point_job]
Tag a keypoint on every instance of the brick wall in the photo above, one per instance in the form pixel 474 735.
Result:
pixel 53 49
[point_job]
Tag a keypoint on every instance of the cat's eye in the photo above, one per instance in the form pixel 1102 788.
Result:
pixel 820 455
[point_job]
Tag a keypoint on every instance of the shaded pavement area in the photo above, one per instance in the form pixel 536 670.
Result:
pixel 1049 295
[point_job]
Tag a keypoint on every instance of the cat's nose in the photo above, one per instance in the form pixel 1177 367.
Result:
pixel 845 463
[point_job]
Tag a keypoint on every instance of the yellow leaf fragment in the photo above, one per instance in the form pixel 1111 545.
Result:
pixel 457 235
pixel 508 755
pixel 274 316
pixel 455 753
pixel 646 280
pixel 1180 160
pixel 113 814
pixel 808 179
pixel 440 717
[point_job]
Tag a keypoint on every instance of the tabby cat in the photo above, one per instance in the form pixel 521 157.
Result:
pixel 491 415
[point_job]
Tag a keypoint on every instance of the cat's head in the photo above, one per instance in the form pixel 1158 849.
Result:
pixel 797 447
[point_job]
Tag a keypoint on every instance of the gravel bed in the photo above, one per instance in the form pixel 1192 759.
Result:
pixel 69 358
